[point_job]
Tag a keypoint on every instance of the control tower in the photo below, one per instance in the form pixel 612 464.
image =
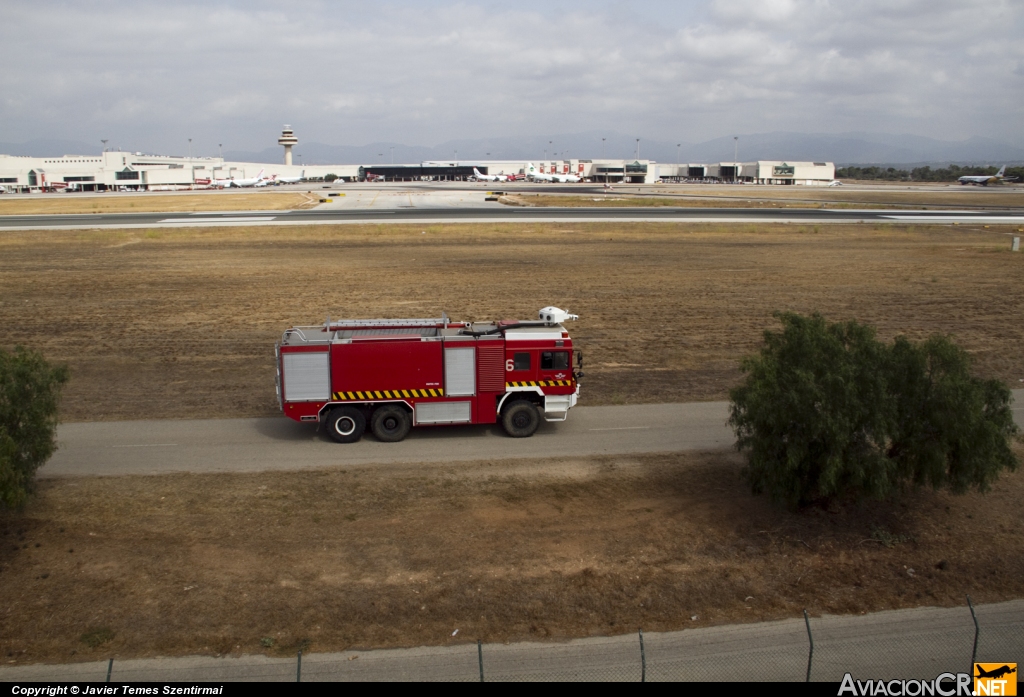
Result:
pixel 287 139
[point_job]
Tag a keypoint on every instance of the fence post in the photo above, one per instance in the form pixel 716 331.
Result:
pixel 480 658
pixel 977 631
pixel 298 668
pixel 810 638
pixel 110 667
pixel 643 659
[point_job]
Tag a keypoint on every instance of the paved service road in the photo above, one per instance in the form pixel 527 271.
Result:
pixel 252 445
pixel 330 215
pixel 917 643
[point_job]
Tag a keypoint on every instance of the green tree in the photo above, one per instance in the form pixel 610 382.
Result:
pixel 29 395
pixel 827 410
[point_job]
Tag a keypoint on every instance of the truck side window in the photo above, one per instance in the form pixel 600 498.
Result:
pixel 554 360
pixel 521 361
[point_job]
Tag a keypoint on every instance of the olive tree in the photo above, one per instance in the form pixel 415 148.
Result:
pixel 827 410
pixel 29 396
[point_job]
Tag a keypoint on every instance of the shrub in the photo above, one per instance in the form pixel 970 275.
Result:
pixel 828 411
pixel 29 395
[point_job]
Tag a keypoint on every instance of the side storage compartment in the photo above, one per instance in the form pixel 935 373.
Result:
pixel 305 376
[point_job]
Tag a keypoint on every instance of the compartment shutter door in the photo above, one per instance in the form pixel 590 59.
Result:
pixel 306 377
pixel 444 413
pixel 491 366
pixel 459 372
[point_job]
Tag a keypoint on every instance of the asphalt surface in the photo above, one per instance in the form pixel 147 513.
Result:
pixel 254 445
pixel 334 215
pixel 919 643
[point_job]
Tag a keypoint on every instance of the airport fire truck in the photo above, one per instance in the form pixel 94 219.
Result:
pixel 393 374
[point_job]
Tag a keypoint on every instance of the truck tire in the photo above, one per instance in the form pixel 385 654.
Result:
pixel 346 424
pixel 520 419
pixel 391 423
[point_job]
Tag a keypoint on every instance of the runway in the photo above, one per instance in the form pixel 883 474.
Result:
pixel 498 213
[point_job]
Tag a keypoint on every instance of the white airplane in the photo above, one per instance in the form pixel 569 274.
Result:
pixel 489 177
pixel 228 183
pixel 534 175
pixel 986 179
pixel 290 180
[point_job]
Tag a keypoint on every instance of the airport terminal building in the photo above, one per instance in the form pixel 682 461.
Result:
pixel 125 171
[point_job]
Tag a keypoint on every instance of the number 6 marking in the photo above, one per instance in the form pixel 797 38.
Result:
pixel 510 365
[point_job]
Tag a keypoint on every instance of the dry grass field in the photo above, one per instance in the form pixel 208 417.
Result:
pixel 182 323
pixel 153 203
pixel 366 557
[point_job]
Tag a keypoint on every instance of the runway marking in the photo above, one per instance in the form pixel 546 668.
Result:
pixel 146 445
pixel 622 428
pixel 222 219
pixel 958 218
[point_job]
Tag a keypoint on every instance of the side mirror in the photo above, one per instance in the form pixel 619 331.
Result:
pixel 579 359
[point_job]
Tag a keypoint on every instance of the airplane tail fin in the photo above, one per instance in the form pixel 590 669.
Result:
pixel 1001 172
pixel 302 174
pixel 476 173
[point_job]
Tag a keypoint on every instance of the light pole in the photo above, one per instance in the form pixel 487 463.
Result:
pixel 190 150
pixel 392 154
pixel 735 157
pixel 220 146
pixel 104 141
pixel 638 149
pixel 604 150
pixel 677 152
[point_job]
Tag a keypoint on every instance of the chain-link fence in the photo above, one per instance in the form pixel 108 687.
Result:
pixel 901 644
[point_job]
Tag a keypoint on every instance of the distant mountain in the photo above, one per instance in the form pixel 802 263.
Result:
pixel 855 148
pixel 841 148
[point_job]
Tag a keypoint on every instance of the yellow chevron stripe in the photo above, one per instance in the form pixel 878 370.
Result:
pixel 399 394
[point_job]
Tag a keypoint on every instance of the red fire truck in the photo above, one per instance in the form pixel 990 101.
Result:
pixel 393 374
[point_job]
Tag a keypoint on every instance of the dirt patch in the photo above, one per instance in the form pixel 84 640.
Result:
pixel 503 551
pixel 153 203
pixel 182 323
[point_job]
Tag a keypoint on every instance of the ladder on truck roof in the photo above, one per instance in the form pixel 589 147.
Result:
pixel 442 321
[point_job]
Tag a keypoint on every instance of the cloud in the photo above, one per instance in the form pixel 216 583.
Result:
pixel 149 76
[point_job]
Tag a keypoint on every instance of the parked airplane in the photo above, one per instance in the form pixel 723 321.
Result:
pixel 489 177
pixel 228 183
pixel 986 179
pixel 533 175
pixel 290 180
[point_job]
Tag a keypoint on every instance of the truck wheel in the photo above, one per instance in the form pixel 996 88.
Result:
pixel 520 419
pixel 391 423
pixel 346 424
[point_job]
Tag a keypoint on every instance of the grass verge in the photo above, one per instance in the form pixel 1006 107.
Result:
pixel 367 557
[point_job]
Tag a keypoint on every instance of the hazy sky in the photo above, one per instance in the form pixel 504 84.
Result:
pixel 150 75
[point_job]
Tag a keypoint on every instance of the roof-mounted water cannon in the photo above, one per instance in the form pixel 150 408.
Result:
pixel 554 315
